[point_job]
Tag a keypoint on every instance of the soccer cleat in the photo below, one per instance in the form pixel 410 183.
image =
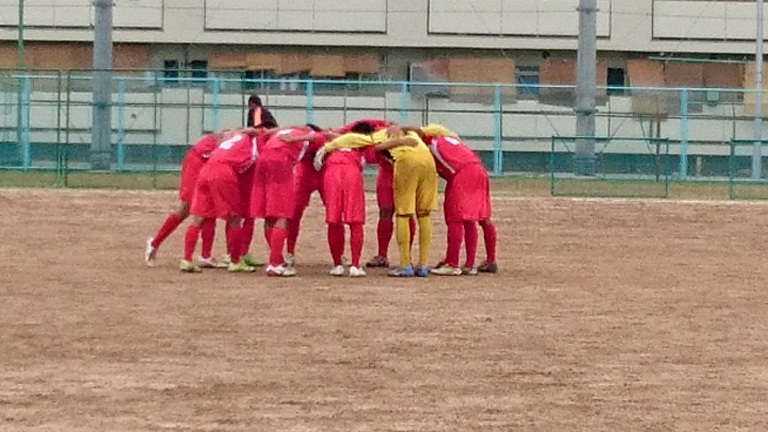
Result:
pixel 189 267
pixel 251 260
pixel 289 259
pixel 446 270
pixel 209 262
pixel 280 271
pixel 422 271
pixel 487 267
pixel 337 271
pixel 378 261
pixel 356 272
pixel 469 271
pixel 240 267
pixel 149 253
pixel 401 272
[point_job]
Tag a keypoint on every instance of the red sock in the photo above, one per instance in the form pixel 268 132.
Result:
pixel 384 232
pixel 489 234
pixel 246 236
pixel 190 240
pixel 233 243
pixel 455 237
pixel 277 242
pixel 356 238
pixel 172 221
pixel 412 226
pixel 207 233
pixel 336 242
pixel 470 240
pixel 294 225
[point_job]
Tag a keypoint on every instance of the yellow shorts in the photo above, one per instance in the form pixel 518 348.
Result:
pixel 415 184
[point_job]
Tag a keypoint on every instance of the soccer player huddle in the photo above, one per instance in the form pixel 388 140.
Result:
pixel 266 172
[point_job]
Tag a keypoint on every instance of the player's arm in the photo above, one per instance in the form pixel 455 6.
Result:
pixel 434 129
pixel 350 140
pixel 397 142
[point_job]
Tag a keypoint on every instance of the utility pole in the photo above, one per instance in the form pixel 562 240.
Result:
pixel 757 148
pixel 19 79
pixel 20 42
pixel 586 87
pixel 101 144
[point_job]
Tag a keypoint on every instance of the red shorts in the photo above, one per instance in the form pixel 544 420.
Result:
pixel 217 194
pixel 344 194
pixel 385 189
pixel 307 180
pixel 274 191
pixel 190 171
pixel 468 195
pixel 245 184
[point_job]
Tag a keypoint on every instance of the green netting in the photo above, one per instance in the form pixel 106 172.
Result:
pixel 611 173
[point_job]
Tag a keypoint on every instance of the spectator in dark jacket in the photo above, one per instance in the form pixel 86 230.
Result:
pixel 258 114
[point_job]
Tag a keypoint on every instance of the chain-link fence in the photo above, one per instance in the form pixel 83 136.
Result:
pixel 46 123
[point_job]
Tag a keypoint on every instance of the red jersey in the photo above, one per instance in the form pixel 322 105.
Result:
pixel 451 155
pixel 275 147
pixel 377 124
pixel 346 156
pixel 204 146
pixel 239 152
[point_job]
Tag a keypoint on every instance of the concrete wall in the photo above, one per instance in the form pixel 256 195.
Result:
pixel 647 26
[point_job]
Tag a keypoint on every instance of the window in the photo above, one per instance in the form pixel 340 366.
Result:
pixel 199 69
pixel 171 71
pixel 527 78
pixel 616 78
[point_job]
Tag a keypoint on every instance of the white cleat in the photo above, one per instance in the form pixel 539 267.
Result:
pixel 210 262
pixel 280 271
pixel 337 271
pixel 356 272
pixel 149 253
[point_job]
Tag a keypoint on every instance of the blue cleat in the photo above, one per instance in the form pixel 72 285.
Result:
pixel 422 271
pixel 401 272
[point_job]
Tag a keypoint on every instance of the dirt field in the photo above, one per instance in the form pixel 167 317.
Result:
pixel 608 315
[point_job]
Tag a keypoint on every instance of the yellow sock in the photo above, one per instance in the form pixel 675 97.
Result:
pixel 425 238
pixel 403 236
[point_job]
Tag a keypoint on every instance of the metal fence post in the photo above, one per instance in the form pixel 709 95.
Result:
pixel 215 103
pixel 25 127
pixel 497 131
pixel 310 101
pixel 404 103
pixel 683 135
pixel 121 124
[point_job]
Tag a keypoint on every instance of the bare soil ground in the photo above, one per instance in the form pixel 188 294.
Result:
pixel 608 315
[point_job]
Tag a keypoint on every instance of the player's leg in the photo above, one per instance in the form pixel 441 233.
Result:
pixel 490 236
pixel 235 247
pixel 171 222
pixel 385 226
pixel 426 203
pixel 405 184
pixel 207 236
pixel 471 241
pixel 454 238
pixel 190 241
pixel 246 232
pixel 278 237
pixel 356 240
pixel 336 247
